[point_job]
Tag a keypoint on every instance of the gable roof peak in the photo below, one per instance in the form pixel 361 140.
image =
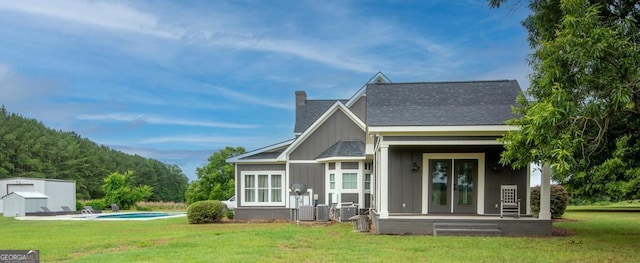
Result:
pixel 378 78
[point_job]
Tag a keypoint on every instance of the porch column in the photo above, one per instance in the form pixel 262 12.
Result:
pixel 384 181
pixel 545 193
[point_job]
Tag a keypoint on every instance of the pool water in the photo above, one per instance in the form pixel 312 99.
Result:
pixel 138 215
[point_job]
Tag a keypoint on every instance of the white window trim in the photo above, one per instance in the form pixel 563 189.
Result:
pixel 338 171
pixel 269 173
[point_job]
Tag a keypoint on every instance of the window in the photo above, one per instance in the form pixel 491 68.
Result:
pixel 349 181
pixel 249 188
pixel 332 181
pixel 263 188
pixel 276 188
pixel 367 181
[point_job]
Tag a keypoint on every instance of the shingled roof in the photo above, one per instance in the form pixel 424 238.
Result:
pixel 309 112
pixel 441 103
pixel 344 148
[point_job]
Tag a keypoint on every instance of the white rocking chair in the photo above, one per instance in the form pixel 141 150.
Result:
pixel 509 202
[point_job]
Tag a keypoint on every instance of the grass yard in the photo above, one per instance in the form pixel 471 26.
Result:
pixel 599 237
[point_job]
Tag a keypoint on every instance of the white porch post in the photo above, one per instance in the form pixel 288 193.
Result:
pixel 545 193
pixel 384 181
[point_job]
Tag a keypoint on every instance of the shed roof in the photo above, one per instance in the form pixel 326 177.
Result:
pixel 344 148
pixel 28 194
pixel 37 179
pixel 441 103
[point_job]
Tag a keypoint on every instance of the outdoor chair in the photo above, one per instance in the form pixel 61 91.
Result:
pixel 115 208
pixel 46 212
pixel 509 202
pixel 67 211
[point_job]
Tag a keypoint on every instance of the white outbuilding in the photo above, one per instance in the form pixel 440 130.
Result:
pixel 59 193
pixel 21 203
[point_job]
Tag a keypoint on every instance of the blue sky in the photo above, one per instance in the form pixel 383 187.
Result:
pixel 178 80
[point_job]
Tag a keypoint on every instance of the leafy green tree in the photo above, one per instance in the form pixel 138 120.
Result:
pixel 581 114
pixel 118 190
pixel 216 179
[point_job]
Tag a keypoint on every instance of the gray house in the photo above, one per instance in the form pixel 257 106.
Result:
pixel 420 157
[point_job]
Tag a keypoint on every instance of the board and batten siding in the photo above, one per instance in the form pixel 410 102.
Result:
pixel 405 189
pixel 311 175
pixel 337 127
pixel 405 186
pixel 359 108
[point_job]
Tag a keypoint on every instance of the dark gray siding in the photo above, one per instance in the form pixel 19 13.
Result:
pixel 359 108
pixel 310 174
pixel 496 175
pixel 405 186
pixel 253 167
pixel 337 127
pixel 350 197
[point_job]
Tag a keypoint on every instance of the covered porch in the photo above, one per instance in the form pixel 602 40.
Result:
pixel 451 186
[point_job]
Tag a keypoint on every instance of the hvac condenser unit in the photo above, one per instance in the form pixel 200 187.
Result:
pixel 322 215
pixel 306 213
pixel 347 211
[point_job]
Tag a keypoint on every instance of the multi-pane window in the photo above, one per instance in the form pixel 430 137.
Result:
pixel 263 188
pixel 367 181
pixel 249 188
pixel 349 181
pixel 276 188
pixel 332 181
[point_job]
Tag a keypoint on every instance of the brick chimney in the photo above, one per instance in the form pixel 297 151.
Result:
pixel 301 98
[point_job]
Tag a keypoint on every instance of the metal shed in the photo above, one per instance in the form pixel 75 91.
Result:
pixel 59 192
pixel 20 203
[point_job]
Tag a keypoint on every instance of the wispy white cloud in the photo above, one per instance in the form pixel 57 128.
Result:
pixel 248 98
pixel 132 117
pixel 347 50
pixel 102 14
pixel 198 139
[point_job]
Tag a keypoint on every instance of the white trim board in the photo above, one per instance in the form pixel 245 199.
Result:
pixel 466 128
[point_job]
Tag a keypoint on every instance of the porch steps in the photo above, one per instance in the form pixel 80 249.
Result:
pixel 466 229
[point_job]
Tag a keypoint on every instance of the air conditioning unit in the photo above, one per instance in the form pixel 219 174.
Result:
pixel 347 211
pixel 306 213
pixel 322 213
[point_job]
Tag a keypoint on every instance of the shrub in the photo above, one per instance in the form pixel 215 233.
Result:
pixel 203 212
pixel 559 200
pixel 229 214
pixel 96 204
pixel 79 206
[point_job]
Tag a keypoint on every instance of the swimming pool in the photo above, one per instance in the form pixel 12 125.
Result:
pixel 109 216
pixel 137 216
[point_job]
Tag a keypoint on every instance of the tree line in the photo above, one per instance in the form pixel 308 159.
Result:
pixel 30 149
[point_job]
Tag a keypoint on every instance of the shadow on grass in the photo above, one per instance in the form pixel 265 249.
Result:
pixel 605 209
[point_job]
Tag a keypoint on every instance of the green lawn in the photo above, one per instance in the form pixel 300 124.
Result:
pixel 599 237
